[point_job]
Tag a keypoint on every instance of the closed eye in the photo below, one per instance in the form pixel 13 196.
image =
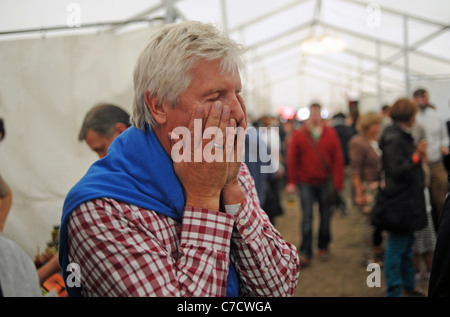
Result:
pixel 213 97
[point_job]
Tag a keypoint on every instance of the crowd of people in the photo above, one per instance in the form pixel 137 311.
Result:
pixel 393 157
pixel 384 159
pixel 161 226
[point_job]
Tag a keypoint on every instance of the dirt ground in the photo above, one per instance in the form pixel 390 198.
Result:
pixel 344 274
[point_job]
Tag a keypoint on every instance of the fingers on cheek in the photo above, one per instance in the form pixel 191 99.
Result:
pixel 241 118
pixel 216 110
pixel 231 132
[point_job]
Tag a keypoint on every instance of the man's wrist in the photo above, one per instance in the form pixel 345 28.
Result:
pixel 232 194
pixel 211 203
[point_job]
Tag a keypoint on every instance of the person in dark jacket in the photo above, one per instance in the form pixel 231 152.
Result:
pixel 404 191
pixel 439 285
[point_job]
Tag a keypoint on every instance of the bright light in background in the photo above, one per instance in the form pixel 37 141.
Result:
pixel 286 113
pixel 326 44
pixel 303 113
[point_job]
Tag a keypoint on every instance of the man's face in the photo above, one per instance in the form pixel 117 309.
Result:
pixel 208 84
pixel 315 117
pixel 99 143
pixel 422 101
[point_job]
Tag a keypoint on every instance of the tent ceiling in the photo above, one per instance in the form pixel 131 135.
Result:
pixel 410 39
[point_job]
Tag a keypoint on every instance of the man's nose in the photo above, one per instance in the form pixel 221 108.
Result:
pixel 236 108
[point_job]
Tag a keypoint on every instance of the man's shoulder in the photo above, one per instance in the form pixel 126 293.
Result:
pixel 430 112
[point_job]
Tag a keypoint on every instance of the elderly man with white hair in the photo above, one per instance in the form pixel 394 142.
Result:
pixel 172 210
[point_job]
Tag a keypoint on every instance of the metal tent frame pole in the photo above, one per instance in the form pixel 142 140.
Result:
pixel 406 54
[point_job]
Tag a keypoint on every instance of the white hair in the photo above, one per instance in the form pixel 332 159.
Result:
pixel 164 65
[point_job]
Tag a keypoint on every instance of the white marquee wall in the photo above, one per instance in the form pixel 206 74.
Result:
pixel 46 87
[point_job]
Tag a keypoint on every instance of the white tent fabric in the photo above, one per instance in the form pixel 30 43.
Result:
pixel 50 77
pixel 46 88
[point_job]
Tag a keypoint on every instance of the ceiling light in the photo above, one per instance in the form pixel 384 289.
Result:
pixel 323 45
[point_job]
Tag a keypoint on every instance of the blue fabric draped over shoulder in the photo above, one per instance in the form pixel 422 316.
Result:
pixel 137 171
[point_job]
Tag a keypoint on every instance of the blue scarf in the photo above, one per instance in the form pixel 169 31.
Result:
pixel 137 171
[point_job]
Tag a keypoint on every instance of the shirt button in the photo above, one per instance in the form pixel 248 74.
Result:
pixel 246 231
pixel 242 221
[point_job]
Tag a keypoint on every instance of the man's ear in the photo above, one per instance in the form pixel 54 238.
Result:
pixel 120 127
pixel 155 108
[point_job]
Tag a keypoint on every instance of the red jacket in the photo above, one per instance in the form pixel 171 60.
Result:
pixel 305 164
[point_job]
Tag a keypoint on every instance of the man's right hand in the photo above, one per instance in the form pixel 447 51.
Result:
pixel 203 181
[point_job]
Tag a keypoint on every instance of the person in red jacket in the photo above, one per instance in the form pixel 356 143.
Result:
pixel 315 159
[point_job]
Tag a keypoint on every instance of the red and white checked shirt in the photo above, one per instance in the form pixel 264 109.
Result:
pixel 124 250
